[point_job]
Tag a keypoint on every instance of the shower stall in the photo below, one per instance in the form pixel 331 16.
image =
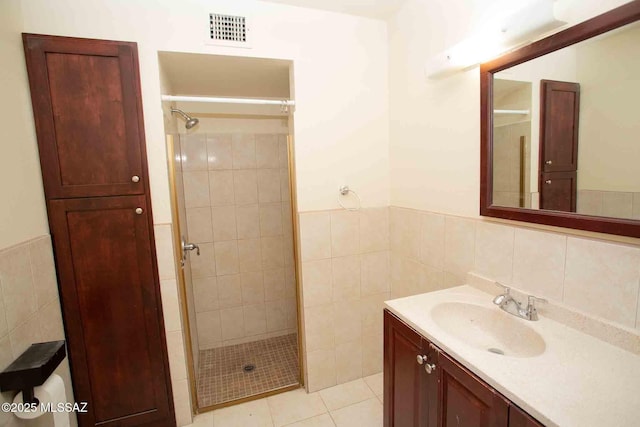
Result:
pixel 234 231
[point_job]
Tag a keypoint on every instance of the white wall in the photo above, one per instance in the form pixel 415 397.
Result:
pixel 575 11
pixel 22 209
pixel 609 152
pixel 340 75
pixel 435 124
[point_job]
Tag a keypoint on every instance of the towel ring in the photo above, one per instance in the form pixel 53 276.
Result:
pixel 344 191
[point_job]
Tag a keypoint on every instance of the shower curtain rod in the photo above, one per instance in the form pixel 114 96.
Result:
pixel 286 102
pixel 523 112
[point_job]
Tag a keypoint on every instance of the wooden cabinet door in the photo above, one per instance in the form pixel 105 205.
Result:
pixel 88 115
pixel 407 388
pixel 110 298
pixel 466 401
pixel 558 191
pixel 559 120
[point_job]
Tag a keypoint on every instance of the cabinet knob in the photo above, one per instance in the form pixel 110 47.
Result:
pixel 429 367
pixel 421 359
pixel 548 181
pixel 549 162
pixel 135 178
pixel 139 211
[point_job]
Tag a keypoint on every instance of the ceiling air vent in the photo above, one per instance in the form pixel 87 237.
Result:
pixel 228 30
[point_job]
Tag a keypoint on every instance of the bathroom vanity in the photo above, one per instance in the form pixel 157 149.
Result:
pixel 424 386
pixel 452 358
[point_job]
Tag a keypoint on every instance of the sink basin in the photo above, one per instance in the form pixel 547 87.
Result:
pixel 488 329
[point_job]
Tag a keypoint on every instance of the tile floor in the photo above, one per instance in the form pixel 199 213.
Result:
pixel 221 377
pixel 354 404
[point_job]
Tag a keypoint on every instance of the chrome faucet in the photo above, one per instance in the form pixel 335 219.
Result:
pixel 507 303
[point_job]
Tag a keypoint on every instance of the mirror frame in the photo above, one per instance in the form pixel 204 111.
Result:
pixel 615 18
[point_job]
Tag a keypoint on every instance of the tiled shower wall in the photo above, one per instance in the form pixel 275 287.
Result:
pixel 29 313
pixel 238 210
pixel 345 279
pixel 431 251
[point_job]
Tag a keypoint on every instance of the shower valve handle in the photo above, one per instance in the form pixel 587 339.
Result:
pixel 192 246
pixel 189 247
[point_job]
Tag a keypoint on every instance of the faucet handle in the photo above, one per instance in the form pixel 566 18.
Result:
pixel 505 288
pixel 531 312
pixel 504 297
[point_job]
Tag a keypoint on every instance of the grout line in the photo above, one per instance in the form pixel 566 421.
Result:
pixel 33 275
pixel 4 310
pixel 513 258
pixel 637 322
pixel 322 398
pixel 266 401
pixel 370 388
pixel 331 415
pixel 475 237
pixel 445 240
pixel 421 238
pixel 564 268
pixel 309 418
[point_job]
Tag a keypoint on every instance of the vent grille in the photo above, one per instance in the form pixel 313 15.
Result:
pixel 228 28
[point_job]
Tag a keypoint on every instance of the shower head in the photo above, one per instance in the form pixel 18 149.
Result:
pixel 191 121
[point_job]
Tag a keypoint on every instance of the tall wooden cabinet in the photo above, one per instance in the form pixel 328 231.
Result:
pixel 88 116
pixel 559 123
pixel 425 387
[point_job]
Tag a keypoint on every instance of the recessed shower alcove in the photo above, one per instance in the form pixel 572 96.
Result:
pixel 233 210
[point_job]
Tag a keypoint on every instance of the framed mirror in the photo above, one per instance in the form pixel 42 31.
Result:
pixel 560 128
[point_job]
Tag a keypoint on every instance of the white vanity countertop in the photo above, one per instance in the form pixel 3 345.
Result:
pixel 577 381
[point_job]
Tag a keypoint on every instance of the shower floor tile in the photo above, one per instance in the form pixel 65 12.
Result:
pixel 221 374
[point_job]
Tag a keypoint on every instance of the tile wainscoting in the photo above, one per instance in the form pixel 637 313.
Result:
pixel 352 261
pixel 345 279
pixel 433 251
pixel 29 313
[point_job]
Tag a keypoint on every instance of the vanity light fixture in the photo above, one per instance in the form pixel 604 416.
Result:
pixel 504 33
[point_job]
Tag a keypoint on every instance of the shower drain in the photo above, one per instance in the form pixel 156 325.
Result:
pixel 249 367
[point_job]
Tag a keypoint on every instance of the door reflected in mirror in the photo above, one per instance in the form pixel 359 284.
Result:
pixel 566 129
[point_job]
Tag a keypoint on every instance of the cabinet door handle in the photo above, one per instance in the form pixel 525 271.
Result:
pixel 549 162
pixel 548 181
pixel 429 367
pixel 421 359
pixel 139 211
pixel 135 178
